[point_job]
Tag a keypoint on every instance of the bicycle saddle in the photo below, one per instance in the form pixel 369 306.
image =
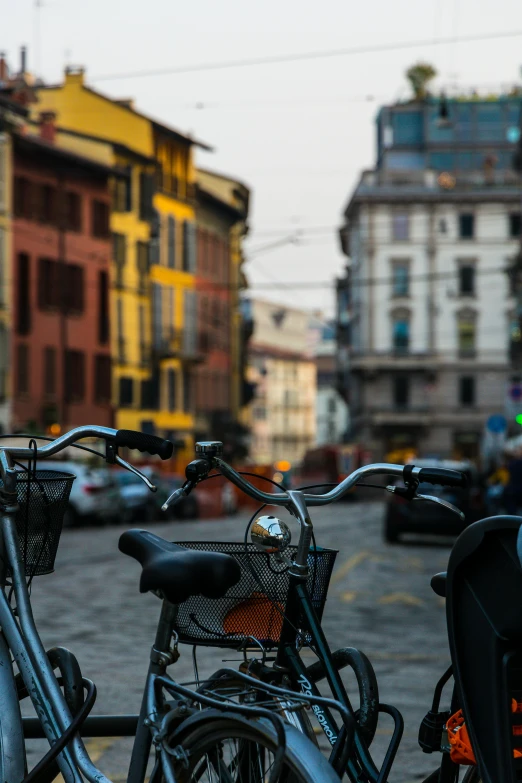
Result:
pixel 177 573
pixel 438 584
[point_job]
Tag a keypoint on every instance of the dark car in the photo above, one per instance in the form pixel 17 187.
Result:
pixel 419 516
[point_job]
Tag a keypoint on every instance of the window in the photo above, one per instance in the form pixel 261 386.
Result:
pixel 187 391
pixel 59 283
pixel 400 226
pixel 126 394
pixel 466 328
pixel 119 249
pixel 103 308
pixel 401 278
pixel 401 391
pixel 171 240
pixel 102 379
pixel 260 413
pixel 466 226
pixel 119 330
pixel 22 368
pixel 21 198
pixel 143 257
pixel 49 362
pixel 73 212
pixel 171 390
pixel 150 393
pixel 401 335
pixel 73 294
pixel 467 390
pixel 122 192
pixel 74 381
pixel 146 196
pixel 189 247
pixel 100 219
pixel 466 280
pixel 49 284
pixel 23 310
pixel 48 206
pixel 515 221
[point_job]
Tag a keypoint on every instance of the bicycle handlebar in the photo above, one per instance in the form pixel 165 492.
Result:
pixel 133 440
pixel 407 472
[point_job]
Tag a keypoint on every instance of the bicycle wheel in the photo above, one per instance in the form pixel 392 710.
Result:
pixel 219 748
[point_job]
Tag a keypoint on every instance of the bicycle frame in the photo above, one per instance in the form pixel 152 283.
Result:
pixel 19 637
pixel 299 604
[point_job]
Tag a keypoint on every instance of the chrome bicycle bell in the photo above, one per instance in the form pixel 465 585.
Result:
pixel 270 534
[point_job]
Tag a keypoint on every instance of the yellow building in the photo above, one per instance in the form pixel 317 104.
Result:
pixel 153 298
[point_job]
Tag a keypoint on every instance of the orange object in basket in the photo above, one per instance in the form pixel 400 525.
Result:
pixel 461 751
pixel 257 616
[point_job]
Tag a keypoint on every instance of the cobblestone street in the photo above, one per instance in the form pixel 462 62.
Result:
pixel 380 601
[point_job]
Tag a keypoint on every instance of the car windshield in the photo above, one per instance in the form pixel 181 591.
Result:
pixel 126 479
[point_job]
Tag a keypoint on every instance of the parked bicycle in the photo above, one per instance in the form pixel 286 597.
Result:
pixel 193 735
pixel 277 604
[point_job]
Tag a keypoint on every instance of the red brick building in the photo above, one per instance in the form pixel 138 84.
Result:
pixel 60 286
pixel 213 376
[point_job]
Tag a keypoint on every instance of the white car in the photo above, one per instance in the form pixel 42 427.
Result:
pixel 95 496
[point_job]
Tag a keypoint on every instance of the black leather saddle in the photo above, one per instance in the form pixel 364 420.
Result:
pixel 177 573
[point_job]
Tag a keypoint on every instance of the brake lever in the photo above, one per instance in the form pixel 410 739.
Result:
pixel 441 502
pixel 132 469
pixel 179 493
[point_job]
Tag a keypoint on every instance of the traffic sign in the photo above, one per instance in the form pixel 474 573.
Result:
pixel 496 423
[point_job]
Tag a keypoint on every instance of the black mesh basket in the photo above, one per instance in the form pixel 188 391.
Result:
pixel 43 497
pixel 254 607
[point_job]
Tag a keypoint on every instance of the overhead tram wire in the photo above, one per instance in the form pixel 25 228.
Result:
pixel 301 56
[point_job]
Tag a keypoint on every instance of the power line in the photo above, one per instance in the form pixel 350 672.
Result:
pixel 300 56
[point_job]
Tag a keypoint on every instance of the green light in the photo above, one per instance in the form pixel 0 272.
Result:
pixel 518 418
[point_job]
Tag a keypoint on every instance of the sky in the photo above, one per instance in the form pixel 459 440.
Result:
pixel 298 133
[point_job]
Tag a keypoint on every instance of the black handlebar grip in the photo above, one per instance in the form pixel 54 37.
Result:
pixel 442 476
pixel 143 442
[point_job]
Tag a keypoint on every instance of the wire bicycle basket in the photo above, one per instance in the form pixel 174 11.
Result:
pixel 43 497
pixel 254 607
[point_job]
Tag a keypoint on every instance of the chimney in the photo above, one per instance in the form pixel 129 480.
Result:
pixel 23 60
pixel 47 126
pixel 4 70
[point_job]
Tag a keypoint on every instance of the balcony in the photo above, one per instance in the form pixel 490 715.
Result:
pixel 176 344
pixel 392 360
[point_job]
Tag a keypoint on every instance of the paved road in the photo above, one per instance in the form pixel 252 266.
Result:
pixel 379 601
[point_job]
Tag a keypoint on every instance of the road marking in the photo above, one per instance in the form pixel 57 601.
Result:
pixel 401 598
pixel 347 566
pixel 348 597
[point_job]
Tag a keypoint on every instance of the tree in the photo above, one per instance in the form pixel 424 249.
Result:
pixel 419 75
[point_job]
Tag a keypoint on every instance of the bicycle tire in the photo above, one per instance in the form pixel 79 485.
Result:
pixel 202 737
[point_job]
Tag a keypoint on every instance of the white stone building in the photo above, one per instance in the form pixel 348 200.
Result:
pixel 282 414
pixel 426 316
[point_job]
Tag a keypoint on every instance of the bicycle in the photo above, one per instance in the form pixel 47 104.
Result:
pixel 277 606
pixel 194 735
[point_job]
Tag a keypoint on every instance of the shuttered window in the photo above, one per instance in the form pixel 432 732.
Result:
pixel 171 242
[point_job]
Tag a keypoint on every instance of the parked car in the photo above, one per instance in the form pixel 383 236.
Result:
pixel 95 496
pixel 141 505
pixel 405 516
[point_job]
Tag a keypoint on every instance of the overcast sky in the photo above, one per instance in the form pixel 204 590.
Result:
pixel 296 133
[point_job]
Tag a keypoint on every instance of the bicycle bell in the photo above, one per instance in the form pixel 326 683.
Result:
pixel 270 534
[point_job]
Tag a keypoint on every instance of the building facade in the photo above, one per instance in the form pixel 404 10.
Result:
pixel 153 303
pixel 282 414
pixel 61 245
pixel 332 415
pixel 425 310
pixel 219 376
pixel 11 117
